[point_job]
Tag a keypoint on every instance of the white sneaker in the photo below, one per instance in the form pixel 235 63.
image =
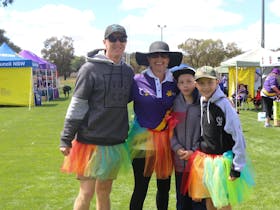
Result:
pixel 267 126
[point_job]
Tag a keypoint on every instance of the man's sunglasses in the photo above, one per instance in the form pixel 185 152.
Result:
pixel 156 55
pixel 115 38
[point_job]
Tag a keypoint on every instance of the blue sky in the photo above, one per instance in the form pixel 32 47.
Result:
pixel 239 21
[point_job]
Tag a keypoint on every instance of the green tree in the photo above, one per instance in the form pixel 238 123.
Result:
pixel 137 68
pixel 232 50
pixel 213 53
pixel 5 3
pixel 200 52
pixel 59 52
pixel 3 39
pixel 77 62
pixel 193 51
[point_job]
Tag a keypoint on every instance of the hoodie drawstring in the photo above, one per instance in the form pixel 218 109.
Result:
pixel 201 114
pixel 207 113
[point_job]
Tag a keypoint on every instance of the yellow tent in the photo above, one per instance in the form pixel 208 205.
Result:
pixel 16 83
pixel 241 75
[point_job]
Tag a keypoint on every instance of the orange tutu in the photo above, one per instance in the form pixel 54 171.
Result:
pixel 78 158
pixel 158 157
pixel 154 146
pixel 192 181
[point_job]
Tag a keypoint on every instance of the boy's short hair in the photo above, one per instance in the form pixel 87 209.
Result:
pixel 206 73
pixel 182 69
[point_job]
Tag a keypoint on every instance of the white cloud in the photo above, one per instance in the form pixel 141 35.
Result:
pixel 188 19
pixel 200 19
pixel 274 7
pixel 135 4
pixel 30 29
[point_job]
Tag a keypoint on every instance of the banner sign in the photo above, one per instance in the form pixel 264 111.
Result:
pixel 16 63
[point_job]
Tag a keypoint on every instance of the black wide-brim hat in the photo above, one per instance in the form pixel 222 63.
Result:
pixel 175 58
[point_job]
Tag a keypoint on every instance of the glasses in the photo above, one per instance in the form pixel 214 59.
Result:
pixel 156 55
pixel 116 38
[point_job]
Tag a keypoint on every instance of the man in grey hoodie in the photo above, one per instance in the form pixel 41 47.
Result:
pixel 96 123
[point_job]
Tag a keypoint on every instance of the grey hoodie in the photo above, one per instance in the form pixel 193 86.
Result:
pixel 97 113
pixel 187 131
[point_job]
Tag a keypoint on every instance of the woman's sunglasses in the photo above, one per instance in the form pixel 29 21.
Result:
pixel 115 38
pixel 156 55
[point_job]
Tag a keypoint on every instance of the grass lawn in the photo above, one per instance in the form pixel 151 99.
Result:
pixel 30 177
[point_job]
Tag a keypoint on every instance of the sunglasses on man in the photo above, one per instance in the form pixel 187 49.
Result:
pixel 156 55
pixel 113 38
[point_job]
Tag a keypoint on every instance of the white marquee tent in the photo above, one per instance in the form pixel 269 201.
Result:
pixel 249 58
pixel 242 68
pixel 270 59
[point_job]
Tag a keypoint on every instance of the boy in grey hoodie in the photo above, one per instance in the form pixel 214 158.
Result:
pixel 185 140
pixel 96 123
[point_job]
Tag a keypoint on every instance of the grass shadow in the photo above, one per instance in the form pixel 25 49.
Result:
pixel 46 104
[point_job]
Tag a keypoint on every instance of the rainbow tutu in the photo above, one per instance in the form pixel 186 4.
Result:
pixel 154 146
pixel 206 176
pixel 98 162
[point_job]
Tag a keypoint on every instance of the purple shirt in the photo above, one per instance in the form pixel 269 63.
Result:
pixel 152 99
pixel 270 82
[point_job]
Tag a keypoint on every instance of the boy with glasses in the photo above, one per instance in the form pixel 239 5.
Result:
pixel 93 146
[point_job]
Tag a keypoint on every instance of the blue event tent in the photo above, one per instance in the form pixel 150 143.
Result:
pixel 16 78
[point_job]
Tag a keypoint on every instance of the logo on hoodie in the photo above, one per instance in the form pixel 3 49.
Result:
pixel 219 121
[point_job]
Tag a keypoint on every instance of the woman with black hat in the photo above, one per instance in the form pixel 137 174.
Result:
pixel 154 91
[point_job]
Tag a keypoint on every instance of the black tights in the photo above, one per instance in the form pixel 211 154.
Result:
pixel 141 185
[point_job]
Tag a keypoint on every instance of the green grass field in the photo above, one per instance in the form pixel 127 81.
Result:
pixel 30 177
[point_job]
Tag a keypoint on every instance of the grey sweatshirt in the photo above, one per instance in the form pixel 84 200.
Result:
pixel 187 132
pixel 97 113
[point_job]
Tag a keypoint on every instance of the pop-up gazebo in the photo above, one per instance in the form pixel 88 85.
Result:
pixel 46 77
pixel 16 83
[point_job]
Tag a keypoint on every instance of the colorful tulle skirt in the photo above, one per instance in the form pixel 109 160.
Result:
pixel 98 162
pixel 154 146
pixel 206 176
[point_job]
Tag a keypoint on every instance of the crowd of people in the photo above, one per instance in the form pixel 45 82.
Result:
pixel 183 122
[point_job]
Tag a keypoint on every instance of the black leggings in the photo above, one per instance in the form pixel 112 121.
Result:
pixel 141 185
pixel 267 106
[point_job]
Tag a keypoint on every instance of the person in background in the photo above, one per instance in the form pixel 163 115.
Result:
pixel 269 93
pixel 218 171
pixel 94 147
pixel 185 140
pixel 154 91
pixel 242 95
pixel 224 84
pixel 257 100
